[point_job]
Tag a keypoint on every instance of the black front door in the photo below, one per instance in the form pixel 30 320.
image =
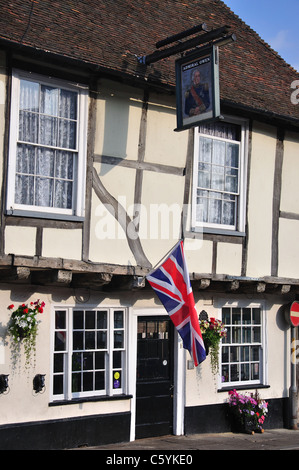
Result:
pixel 154 385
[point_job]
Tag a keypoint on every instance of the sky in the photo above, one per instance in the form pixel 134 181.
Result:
pixel 276 22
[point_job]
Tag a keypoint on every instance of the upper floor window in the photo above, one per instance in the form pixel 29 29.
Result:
pixel 219 176
pixel 47 146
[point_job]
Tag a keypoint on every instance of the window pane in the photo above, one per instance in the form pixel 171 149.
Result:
pixel 256 315
pixel 118 339
pixel 24 190
pixel 28 127
pixel 257 334
pixel 66 134
pixel 226 316
pixel 48 131
pixel 43 192
pixel 77 320
pixel 49 100
pixel 87 381
pixel 90 340
pixel 78 340
pixel 58 384
pixel 234 370
pixel 244 353
pixel 246 316
pixel 90 320
pixel 63 194
pixel 236 334
pixel 234 354
pixel 236 316
pixel 60 341
pixel 117 355
pixel 64 165
pixel 101 340
pixel 100 360
pixel 60 319
pixel 45 162
pixel 58 362
pixel 76 383
pixel 101 320
pixel 76 361
pixel 225 373
pixel 25 159
pixel 255 371
pixel 29 96
pixel 88 361
pixel 246 335
pixel 99 380
pixel 68 104
pixel 118 319
pixel 245 372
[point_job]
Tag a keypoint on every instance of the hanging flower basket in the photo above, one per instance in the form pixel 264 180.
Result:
pixel 247 412
pixel 23 327
pixel 212 332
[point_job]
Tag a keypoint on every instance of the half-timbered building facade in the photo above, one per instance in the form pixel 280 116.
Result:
pixel 97 187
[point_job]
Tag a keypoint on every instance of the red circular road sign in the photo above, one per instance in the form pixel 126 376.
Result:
pixel 294 313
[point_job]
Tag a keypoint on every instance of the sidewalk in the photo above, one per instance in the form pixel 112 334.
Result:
pixel 272 439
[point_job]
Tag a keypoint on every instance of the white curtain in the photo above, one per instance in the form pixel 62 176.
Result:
pixel 46 151
pixel 218 174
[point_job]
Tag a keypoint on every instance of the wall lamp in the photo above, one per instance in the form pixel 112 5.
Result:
pixel 3 383
pixel 39 383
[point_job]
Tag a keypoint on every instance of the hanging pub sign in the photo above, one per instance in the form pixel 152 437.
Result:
pixel 197 88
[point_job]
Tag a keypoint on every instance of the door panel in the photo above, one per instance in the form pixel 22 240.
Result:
pixel 154 385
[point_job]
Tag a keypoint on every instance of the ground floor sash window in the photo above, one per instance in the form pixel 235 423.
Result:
pixel 89 352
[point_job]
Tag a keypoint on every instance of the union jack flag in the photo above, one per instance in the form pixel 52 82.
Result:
pixel 171 283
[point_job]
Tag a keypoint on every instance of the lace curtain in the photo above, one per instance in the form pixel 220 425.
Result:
pixel 218 174
pixel 46 149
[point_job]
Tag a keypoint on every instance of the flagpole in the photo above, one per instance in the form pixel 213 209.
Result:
pixel 165 256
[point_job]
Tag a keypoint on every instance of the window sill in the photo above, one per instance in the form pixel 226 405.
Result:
pixel 242 387
pixel 75 401
pixel 218 231
pixel 44 215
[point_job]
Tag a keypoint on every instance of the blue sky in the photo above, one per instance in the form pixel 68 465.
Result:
pixel 276 22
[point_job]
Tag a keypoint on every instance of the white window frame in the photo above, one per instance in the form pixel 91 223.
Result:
pixel 78 202
pixel 239 227
pixel 67 394
pixel 263 372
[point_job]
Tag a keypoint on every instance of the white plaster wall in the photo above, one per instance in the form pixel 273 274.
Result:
pixel 229 259
pixel 289 176
pixel 119 110
pixel 62 243
pixel 260 200
pixel 163 145
pixel 288 254
pixel 20 240
pixel 160 225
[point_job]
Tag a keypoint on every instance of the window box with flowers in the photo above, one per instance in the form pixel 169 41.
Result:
pixel 212 332
pixel 22 328
pixel 248 412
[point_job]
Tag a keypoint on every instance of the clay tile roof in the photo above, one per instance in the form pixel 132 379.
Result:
pixel 111 34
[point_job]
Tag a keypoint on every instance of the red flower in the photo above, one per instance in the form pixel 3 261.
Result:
pixel 10 307
pixel 25 310
pixel 40 310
